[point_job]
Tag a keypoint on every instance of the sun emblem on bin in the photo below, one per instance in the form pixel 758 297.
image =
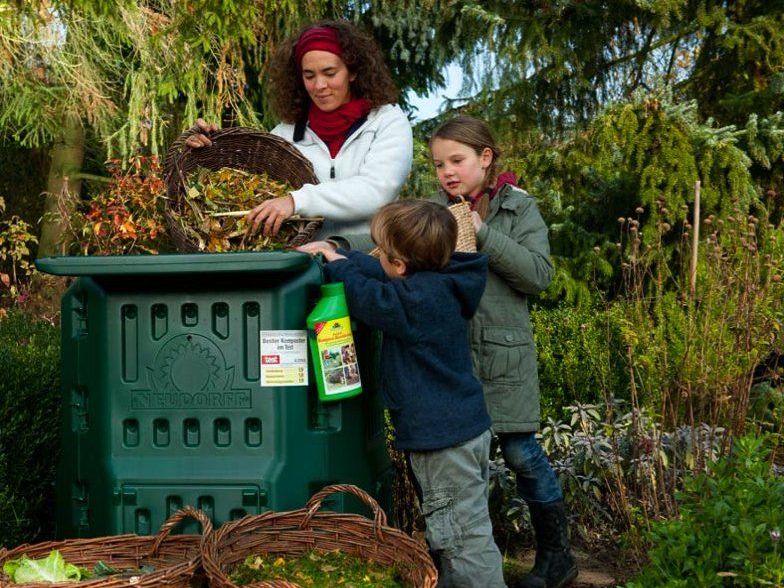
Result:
pixel 189 363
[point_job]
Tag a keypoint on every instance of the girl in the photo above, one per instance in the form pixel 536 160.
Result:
pixel 511 232
pixel 337 101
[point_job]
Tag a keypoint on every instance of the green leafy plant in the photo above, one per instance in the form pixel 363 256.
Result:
pixel 50 569
pixel 729 528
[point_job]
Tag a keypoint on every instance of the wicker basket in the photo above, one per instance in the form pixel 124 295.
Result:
pixel 174 558
pixel 466 235
pixel 238 148
pixel 295 532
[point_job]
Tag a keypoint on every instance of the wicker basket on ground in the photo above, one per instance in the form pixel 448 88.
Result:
pixel 295 532
pixel 239 148
pixel 175 558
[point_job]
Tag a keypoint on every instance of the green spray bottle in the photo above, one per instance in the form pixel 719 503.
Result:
pixel 332 347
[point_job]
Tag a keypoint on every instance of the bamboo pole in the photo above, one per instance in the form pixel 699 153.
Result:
pixel 695 240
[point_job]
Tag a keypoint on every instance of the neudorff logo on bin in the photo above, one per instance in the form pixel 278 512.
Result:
pixel 189 371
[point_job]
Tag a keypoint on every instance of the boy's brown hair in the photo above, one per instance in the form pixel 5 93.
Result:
pixel 422 234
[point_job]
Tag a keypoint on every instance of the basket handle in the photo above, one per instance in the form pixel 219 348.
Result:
pixel 176 519
pixel 314 504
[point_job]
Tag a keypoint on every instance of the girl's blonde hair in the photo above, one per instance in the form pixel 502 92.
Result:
pixel 474 133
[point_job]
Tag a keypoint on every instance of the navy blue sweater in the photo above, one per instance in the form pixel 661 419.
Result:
pixel 428 385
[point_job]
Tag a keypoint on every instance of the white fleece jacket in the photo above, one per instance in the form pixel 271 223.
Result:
pixel 368 171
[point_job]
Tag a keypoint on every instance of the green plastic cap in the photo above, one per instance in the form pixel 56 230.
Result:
pixel 333 289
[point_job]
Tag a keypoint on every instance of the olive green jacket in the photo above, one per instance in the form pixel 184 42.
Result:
pixel 514 237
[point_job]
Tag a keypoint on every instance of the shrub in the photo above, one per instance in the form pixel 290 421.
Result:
pixel 729 529
pixel 580 356
pixel 127 216
pixel 16 268
pixel 696 341
pixel 29 425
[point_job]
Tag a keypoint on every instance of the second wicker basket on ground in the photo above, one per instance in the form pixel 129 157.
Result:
pixel 176 559
pixel 239 148
pixel 295 532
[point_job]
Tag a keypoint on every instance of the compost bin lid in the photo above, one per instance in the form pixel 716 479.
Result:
pixel 175 264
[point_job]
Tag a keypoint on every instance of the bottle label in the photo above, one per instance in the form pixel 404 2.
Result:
pixel 337 355
pixel 284 358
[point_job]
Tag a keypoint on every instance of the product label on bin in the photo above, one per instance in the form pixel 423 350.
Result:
pixel 337 355
pixel 284 358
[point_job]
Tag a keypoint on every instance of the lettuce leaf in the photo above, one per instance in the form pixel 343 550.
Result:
pixel 50 569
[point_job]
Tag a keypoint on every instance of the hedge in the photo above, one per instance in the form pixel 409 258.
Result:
pixel 29 422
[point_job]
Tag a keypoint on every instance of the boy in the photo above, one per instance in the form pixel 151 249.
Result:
pixel 421 294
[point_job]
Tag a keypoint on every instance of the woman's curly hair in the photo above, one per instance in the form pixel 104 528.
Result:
pixel 289 99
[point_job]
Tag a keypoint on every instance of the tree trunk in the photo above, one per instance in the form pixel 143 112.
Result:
pixel 67 155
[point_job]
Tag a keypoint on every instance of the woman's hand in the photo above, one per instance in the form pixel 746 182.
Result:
pixel 272 213
pixel 476 220
pixel 328 250
pixel 198 140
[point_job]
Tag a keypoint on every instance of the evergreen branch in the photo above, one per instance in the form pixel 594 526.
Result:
pixel 663 42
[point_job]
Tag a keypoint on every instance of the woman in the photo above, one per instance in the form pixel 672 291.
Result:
pixel 336 98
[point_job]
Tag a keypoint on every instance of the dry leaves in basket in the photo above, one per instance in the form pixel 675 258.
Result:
pixel 205 211
pixel 317 569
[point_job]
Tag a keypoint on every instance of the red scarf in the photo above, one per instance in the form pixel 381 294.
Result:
pixel 331 127
pixel 503 179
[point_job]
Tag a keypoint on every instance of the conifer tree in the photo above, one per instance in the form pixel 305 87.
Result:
pixel 553 65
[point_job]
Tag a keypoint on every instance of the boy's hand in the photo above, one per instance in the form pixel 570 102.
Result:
pixel 476 220
pixel 315 247
pixel 326 249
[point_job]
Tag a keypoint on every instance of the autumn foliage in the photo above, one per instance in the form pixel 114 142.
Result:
pixel 127 216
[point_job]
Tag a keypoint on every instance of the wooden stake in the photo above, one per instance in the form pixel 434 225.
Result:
pixel 695 240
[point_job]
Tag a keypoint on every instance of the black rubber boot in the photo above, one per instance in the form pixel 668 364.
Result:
pixel 554 566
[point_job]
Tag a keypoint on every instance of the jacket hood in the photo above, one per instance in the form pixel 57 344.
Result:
pixel 468 275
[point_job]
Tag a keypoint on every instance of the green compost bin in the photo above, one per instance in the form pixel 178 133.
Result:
pixel 163 402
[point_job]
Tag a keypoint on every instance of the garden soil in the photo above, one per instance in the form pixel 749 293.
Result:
pixel 593 573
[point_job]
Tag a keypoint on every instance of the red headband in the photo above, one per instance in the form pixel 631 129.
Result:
pixel 317 39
